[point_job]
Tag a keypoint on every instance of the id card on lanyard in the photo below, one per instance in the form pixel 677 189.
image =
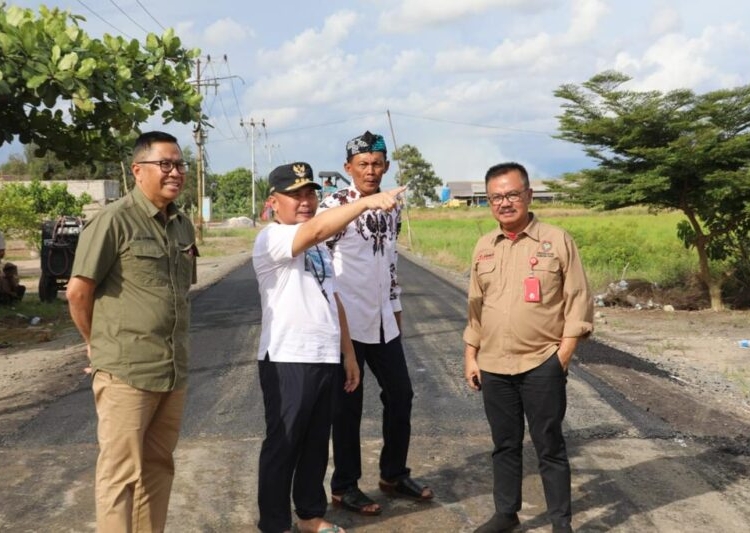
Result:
pixel 531 285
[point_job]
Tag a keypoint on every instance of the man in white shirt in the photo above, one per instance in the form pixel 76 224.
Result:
pixel 364 261
pixel 303 340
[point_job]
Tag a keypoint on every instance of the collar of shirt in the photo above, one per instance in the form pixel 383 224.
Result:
pixel 531 230
pixel 145 204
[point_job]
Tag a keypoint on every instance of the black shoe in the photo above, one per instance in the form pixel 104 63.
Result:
pixel 499 523
pixel 562 528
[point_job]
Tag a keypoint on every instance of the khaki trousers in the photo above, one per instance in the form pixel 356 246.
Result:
pixel 137 433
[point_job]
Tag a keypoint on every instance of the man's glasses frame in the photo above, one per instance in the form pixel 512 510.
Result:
pixel 166 166
pixel 512 197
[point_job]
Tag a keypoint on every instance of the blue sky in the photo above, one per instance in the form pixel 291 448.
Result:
pixel 469 83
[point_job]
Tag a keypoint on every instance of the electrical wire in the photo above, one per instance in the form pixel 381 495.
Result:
pixel 97 15
pixel 472 124
pixel 234 93
pixel 150 15
pixel 329 123
pixel 131 19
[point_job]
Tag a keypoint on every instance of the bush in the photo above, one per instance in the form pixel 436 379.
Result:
pixel 23 208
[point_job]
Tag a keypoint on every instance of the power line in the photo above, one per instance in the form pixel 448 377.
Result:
pixel 329 123
pixel 97 15
pixel 150 15
pixel 234 93
pixel 131 19
pixel 472 124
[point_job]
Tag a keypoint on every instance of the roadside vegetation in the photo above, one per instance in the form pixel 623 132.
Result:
pixel 623 244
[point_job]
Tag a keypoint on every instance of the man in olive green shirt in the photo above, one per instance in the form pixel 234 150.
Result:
pixel 128 296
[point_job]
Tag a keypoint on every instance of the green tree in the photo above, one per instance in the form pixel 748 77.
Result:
pixel 85 98
pixel 417 174
pixel 233 192
pixel 676 150
pixel 24 207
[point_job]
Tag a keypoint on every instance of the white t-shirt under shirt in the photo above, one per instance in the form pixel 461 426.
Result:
pixel 300 320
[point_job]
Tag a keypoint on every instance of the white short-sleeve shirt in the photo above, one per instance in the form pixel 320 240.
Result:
pixel 300 321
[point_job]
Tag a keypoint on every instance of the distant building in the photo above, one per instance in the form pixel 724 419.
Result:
pixel 474 193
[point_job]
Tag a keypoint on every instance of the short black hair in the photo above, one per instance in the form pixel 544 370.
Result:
pixel 503 168
pixel 145 140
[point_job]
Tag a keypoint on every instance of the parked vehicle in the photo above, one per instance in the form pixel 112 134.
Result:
pixel 59 242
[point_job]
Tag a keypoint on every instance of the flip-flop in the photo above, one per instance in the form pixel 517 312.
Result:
pixel 406 488
pixel 355 500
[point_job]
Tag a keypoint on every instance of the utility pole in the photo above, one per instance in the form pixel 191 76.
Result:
pixel 398 179
pixel 200 140
pixel 252 125
pixel 200 135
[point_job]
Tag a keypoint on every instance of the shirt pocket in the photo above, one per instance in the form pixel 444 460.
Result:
pixel 186 257
pixel 549 272
pixel 150 263
pixel 485 273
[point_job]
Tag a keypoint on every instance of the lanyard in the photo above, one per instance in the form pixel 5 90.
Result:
pixel 313 267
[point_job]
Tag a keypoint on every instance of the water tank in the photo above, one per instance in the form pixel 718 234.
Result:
pixel 445 194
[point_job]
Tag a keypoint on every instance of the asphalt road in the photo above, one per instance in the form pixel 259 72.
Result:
pixel 632 470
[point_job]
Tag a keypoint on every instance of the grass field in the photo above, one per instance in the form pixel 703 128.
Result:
pixel 621 244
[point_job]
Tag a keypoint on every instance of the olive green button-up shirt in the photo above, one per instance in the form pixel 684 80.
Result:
pixel 514 335
pixel 143 266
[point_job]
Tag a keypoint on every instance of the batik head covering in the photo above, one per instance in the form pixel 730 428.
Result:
pixel 365 143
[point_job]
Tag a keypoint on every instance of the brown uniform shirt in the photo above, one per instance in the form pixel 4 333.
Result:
pixel 143 268
pixel 514 335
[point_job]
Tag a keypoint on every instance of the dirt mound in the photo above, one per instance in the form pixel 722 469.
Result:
pixel 643 294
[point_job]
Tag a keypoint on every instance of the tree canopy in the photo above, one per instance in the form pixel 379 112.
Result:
pixel 85 98
pixel 675 150
pixel 417 174
pixel 24 207
pixel 232 192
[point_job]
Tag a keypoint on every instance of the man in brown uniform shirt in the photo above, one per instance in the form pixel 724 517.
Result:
pixel 529 304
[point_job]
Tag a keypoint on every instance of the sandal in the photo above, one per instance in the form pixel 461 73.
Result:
pixel 407 488
pixel 333 528
pixel 357 501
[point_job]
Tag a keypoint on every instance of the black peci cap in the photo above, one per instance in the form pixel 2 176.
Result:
pixel 286 178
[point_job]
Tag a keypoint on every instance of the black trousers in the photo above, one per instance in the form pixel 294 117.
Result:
pixel 294 455
pixel 540 394
pixel 388 365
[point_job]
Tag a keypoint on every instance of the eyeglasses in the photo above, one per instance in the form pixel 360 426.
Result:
pixel 512 197
pixel 166 166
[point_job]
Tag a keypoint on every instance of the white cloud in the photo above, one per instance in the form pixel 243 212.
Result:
pixel 585 19
pixel 412 15
pixel 665 20
pixel 225 31
pixel 676 60
pixel 509 53
pixel 407 61
pixel 311 43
